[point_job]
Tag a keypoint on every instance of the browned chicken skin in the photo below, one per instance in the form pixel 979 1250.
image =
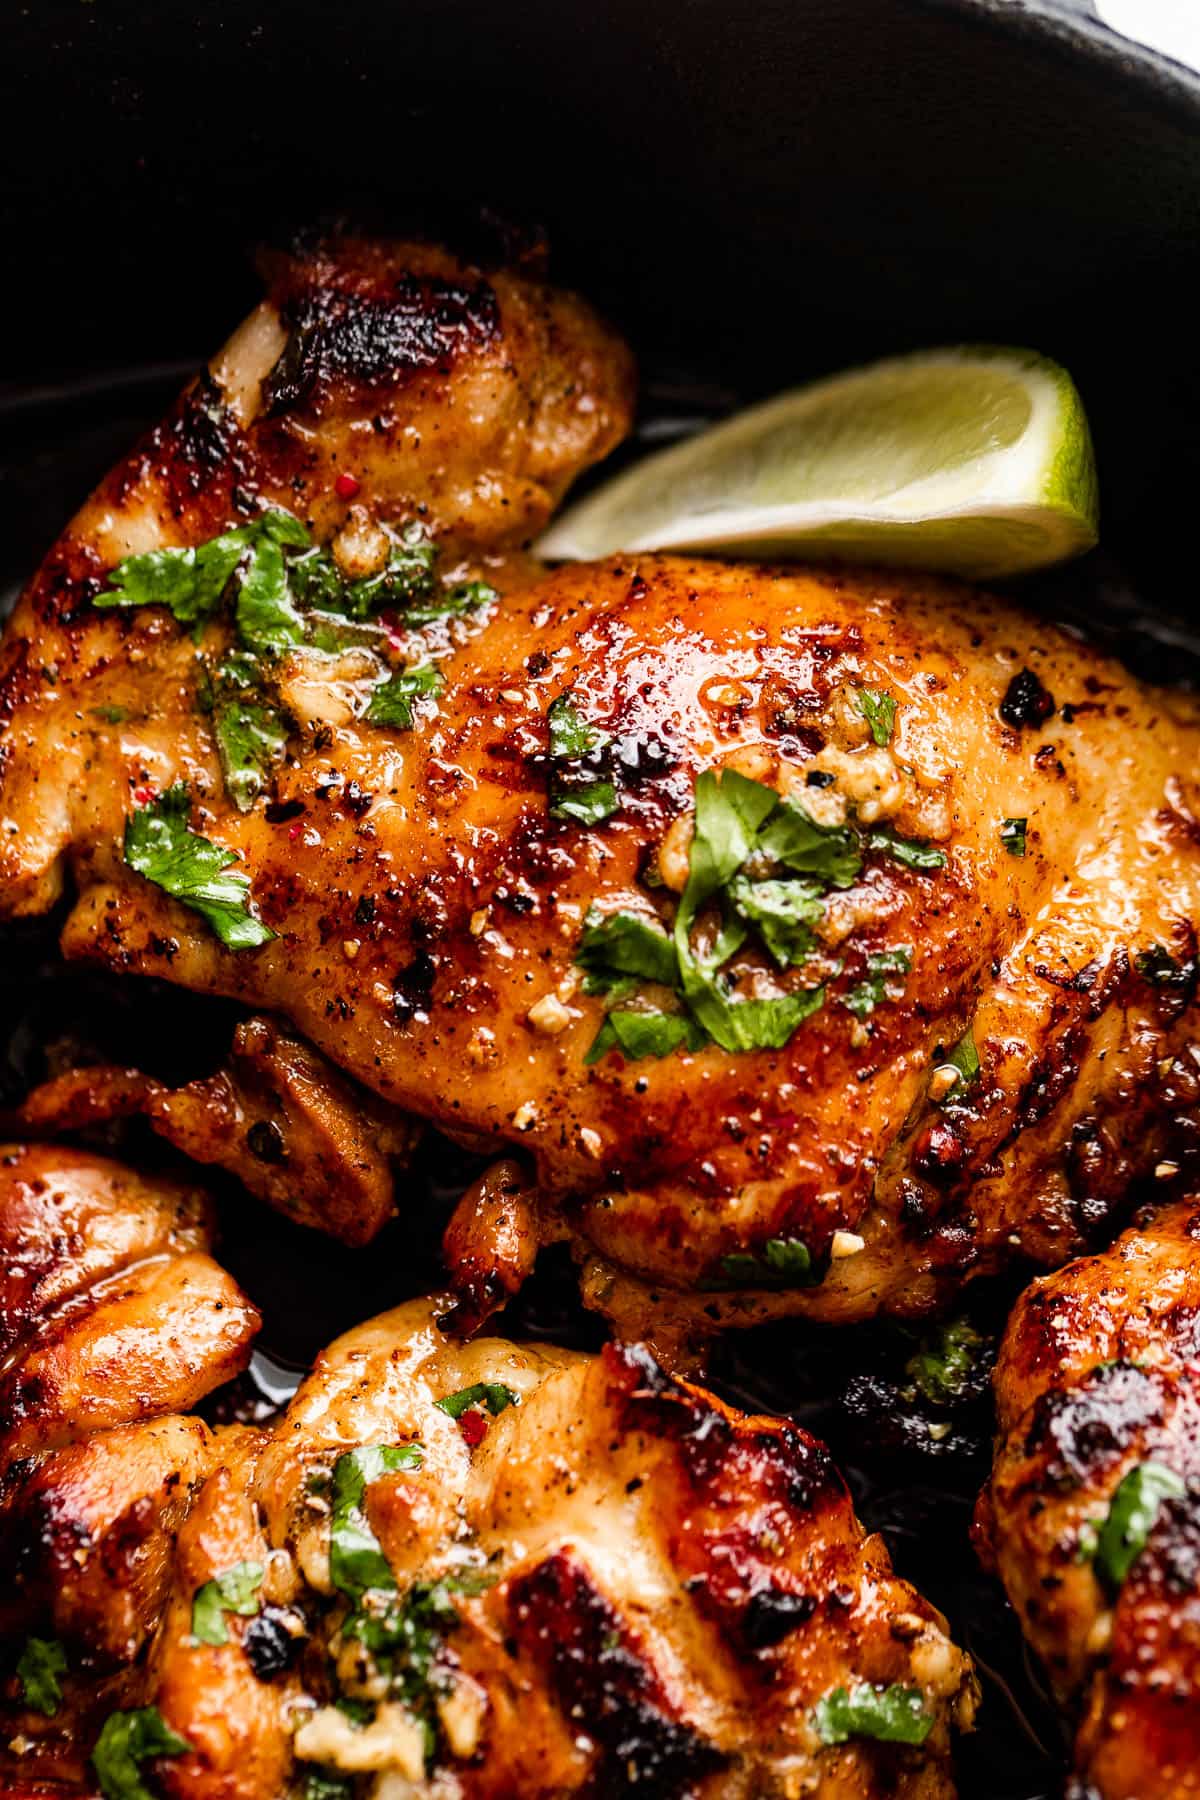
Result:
pixel 429 894
pixel 1092 1515
pixel 588 1578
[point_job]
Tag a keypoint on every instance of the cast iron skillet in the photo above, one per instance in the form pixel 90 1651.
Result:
pixel 757 193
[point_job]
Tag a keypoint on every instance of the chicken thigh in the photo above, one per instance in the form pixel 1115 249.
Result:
pixel 1092 1515
pixel 816 941
pixel 497 1569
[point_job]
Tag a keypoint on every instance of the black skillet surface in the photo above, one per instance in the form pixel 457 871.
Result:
pixel 757 194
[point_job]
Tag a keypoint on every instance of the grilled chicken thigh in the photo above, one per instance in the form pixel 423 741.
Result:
pixel 497 1569
pixel 815 940
pixel 1092 1515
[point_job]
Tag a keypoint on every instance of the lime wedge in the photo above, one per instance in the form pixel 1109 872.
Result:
pixel 977 461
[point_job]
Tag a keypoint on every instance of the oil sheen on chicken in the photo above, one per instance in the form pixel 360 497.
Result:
pixel 498 1569
pixel 924 1006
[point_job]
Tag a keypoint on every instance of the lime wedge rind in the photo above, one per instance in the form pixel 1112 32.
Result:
pixel 973 460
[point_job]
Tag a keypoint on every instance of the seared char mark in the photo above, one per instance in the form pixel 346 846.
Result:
pixel 606 1685
pixel 1090 1426
pixel 336 337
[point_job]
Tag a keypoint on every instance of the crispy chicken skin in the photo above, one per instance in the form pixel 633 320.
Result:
pixel 611 1583
pixel 429 904
pixel 1099 1376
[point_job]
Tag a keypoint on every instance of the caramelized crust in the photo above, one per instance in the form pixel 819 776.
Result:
pixel 1099 1375
pixel 601 1579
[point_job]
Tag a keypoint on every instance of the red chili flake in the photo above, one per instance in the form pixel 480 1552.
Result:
pixel 474 1428
pixel 346 486
pixel 294 831
pixel 144 795
pixel 397 637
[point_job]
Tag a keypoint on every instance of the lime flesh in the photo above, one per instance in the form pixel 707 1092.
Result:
pixel 974 461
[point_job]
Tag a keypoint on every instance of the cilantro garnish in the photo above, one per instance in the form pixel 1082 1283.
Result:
pixel 639 1034
pixel 251 738
pixel 781 1263
pixel 742 831
pixel 965 1058
pixel 493 1394
pixel 909 851
pixel 942 1368
pixel 783 913
pixel 234 1590
pixel 831 854
pixel 111 715
pixel 620 946
pixel 883 966
pixel 406 1634
pixel 41 1663
pixel 451 603
pixel 193 870
pixel 282 591
pixel 1012 836
pixel 581 785
pixel 194 583
pixel 326 1784
pixel 127 1740
pixel 392 701
pixel 894 1714
pixel 356 1560
pixel 1131 1517
pixel 879 710
pixel 406 580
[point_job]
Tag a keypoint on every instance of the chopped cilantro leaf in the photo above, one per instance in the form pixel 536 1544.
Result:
pixel 160 846
pixel 41 1663
pixel 268 619
pixel 451 603
pixel 942 1368
pixel 570 735
pixel 829 853
pixel 392 701
pixel 965 1058
pixel 782 1263
pixel 1131 1516
pixel 1012 836
pixel 730 815
pixel 326 1784
pixel 494 1394
pixel 234 1590
pixel 112 715
pixel 909 851
pixel 127 1740
pixel 192 584
pixel 405 581
pixel 882 966
pixel 640 1034
pixel 879 710
pixel 405 1634
pixel 782 912
pixel 581 787
pixel 894 1714
pixel 356 1561
pixel 621 945
pixel 359 1712
pixel 588 804
pixel 251 738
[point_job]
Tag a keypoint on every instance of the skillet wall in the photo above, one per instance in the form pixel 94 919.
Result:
pixel 757 192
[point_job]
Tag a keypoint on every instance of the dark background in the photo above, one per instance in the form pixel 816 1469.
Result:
pixel 757 193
